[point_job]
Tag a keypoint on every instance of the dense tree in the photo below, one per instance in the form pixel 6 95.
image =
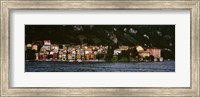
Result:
pixel 99 56
pixel 30 54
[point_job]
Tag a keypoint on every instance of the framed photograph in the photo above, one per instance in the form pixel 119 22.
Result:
pixel 100 48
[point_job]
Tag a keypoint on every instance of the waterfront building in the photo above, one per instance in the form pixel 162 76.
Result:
pixel 144 54
pixel 154 52
pixel 139 48
pixel 47 42
pixel 29 46
pixel 36 56
pixel 35 47
pixel 117 52
pixel 89 54
pixel 55 56
pixel 73 54
pixel 69 56
pixel 64 57
pixel 123 47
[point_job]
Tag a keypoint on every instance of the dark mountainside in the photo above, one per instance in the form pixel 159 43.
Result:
pixel 159 36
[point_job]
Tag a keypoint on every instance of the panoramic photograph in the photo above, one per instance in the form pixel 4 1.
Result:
pixel 99 48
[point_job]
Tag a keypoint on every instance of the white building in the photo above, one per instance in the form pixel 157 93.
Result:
pixel 47 42
pixel 117 51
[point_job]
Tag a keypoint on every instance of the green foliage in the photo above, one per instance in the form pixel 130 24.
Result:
pixel 131 59
pixel 114 59
pixel 124 59
pixel 109 56
pixel 119 56
pixel 30 54
pixel 99 56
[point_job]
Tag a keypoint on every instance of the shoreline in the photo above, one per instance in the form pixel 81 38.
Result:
pixel 92 61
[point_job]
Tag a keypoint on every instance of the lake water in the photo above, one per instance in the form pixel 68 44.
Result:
pixel 55 66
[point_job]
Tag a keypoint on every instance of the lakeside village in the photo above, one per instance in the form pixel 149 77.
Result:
pixel 45 51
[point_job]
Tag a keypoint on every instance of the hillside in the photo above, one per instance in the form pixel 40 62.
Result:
pixel 160 36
